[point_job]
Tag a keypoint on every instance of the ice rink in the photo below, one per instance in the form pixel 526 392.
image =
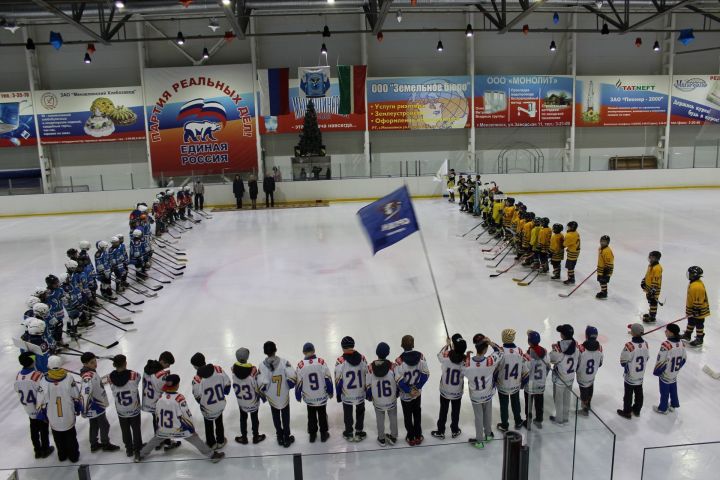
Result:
pixel 302 275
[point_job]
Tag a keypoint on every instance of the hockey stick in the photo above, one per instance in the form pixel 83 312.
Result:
pixel 159 269
pixel 175 251
pixel 204 213
pixel 501 259
pixel 80 337
pixel 495 245
pixel 489 240
pixel 499 252
pixel 143 281
pixel 143 292
pixel 564 295
pixel 139 302
pixel 466 233
pixel 523 278
pixel 169 257
pixel 500 272
pixel 79 353
pixel 164 240
pixel 711 372
pixel 166 282
pixel 111 316
pixel 661 326
pixel 169 264
pixel 116 326
pixel 525 284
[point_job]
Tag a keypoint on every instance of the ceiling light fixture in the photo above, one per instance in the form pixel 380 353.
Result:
pixel 468 30
pixel 398 16
pixel 656 46
pixel 323 49
pixel 686 36
pixel 556 18
pixel 119 4
pixel 553 47
pixel 29 45
pixel 326 32
pixel 379 36
pixel 226 2
pixel 213 24
pixel 439 46
pixel 88 58
pixel 206 54
pixel 605 29
pixel 180 40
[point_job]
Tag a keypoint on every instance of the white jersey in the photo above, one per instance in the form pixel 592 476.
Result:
pixel 538 369
pixel 589 362
pixel 27 386
pixel 382 390
pixel 451 382
pixel 512 370
pixel 350 380
pixel 61 401
pixel 94 394
pixel 670 360
pixel 480 373
pixel 246 391
pixel 276 382
pixel 173 416
pixel 210 391
pixel 152 389
pixel 127 396
pixel 634 359
pixel 564 365
pixel 314 382
pixel 409 377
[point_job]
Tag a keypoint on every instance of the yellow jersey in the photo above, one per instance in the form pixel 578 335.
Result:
pixel 557 249
pixel 697 302
pixel 653 278
pixel 508 214
pixel 572 244
pixel 496 211
pixel 527 229
pixel 606 261
pixel 544 239
pixel 534 233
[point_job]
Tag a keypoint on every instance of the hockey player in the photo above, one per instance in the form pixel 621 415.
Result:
pixel 605 266
pixel 508 213
pixel 534 259
pixel 451 185
pixel 589 361
pixel 480 371
pixel 118 263
pixel 36 341
pixel 697 308
pixel 153 380
pixel 634 359
pixel 72 301
pixel 174 421
pixel 210 387
pixel 88 270
pixel 96 403
pixel 528 225
pixel 461 188
pixel 103 267
pixel 314 386
pixel 557 250
pixel 59 402
pixel 29 303
pixel 497 217
pixel 451 358
pixel 544 236
pixel 538 369
pixel 651 285
pixel 411 374
pixel 54 300
pixel 138 253
pixel 124 386
pixel 670 360
pixel 381 389
pixel 172 205
pixel 27 386
pixel 512 374
pixel 246 391
pixel 572 247
pixel 42 312
pixel 564 358
pixel 350 370
pixel 276 379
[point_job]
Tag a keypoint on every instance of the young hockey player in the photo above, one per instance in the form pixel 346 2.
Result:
pixel 564 358
pixel 36 340
pixel 572 247
pixel 512 374
pixel 589 362
pixel 480 371
pixel 246 391
pixel 54 300
pixel 27 386
pixel 605 266
pixel 508 213
pixel 634 359
pixel 103 267
pixel 42 312
pixel 29 303
pixel 557 250
pixel 381 388
pixel 462 192
pixel 59 403
pixel 118 263
pixel 697 307
pixel 497 217
pixel 88 270
pixel 544 236
pixel 138 253
pixel 276 379
pixel 96 403
pixel 72 301
pixel 153 380
pixel 158 210
pixel 411 374
pixel 350 371
pixel 451 359
pixel 124 387
pixel 175 422
pixel 315 386
pixel 538 369
pixel 534 259
pixel 451 185
pixel 210 386
pixel 670 360
pixel 651 285
pixel 527 227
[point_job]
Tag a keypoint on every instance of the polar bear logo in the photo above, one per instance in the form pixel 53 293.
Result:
pixel 200 131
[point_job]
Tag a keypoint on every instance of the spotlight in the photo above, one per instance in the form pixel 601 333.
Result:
pixel 468 30
pixel 326 32
pixel 638 42
pixel 331 1
pixel 553 47
pixel 686 36
pixel 605 29
pixel 656 46
pixel 180 40
pixel 323 49
pixel 439 46
pixel 398 16
pixel 29 45
pixel 206 54
pixel 87 59
pixel 379 36
pixel 119 4
pixel 556 18
pixel 226 2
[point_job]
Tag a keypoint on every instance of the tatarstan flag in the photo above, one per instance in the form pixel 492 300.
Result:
pixel 351 79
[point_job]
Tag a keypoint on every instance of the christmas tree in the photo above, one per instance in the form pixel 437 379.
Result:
pixel 310 138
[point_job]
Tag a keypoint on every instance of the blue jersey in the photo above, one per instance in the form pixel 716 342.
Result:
pixel 40 359
pixel 73 294
pixel 89 271
pixel 138 249
pixel 54 300
pixel 102 262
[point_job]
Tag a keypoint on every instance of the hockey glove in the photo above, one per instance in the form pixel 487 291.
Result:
pixel 643 285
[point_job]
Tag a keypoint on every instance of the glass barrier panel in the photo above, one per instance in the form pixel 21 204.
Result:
pixel 697 461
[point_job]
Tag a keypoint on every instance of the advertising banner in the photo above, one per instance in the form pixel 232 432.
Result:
pixel 418 103
pixel 90 115
pixel 523 101
pixel 17 121
pixel 695 99
pixel 327 107
pixel 608 101
pixel 201 119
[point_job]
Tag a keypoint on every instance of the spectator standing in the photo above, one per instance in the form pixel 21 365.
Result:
pixel 277 175
pixel 238 191
pixel 199 191
pixel 253 190
pixel 269 189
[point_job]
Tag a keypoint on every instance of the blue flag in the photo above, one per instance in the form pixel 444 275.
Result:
pixel 389 220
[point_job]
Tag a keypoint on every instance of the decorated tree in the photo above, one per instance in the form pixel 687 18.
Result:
pixel 311 137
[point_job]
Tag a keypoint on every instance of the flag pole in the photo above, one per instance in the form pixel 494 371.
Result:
pixel 432 276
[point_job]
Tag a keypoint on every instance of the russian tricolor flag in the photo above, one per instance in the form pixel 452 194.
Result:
pixel 274 91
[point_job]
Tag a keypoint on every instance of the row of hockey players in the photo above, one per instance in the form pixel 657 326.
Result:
pixel 167 208
pixel 489 368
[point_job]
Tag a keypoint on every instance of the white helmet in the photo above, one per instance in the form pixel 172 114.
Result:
pixel 120 237
pixel 71 265
pixel 142 208
pixel 32 301
pixel 114 240
pixel 63 278
pixel 41 309
pixel 159 196
pixel 55 362
pixel 169 191
pixel 187 188
pixel 40 291
pixel 36 327
pixel 102 245
pixel 137 233
pixel 84 245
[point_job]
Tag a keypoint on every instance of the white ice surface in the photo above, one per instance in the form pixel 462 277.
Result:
pixel 308 275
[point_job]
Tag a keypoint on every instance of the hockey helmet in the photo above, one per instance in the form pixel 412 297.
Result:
pixel 557 228
pixel 102 245
pixel 545 221
pixel 51 280
pixel 137 233
pixel 694 273
pixel 41 309
pixel 71 265
pixel 605 239
pixel 31 301
pixel 142 208
pixel 55 362
pixel 114 240
pixel 572 226
pixel 187 188
pixel 40 291
pixel 84 245
pixel 64 278
pixel 655 254
pixel 36 327
pixel 120 237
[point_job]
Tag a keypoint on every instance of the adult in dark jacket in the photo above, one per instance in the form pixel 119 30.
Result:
pixel 269 189
pixel 238 191
pixel 253 190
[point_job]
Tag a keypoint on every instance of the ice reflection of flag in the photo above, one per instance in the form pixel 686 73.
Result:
pixel 199 108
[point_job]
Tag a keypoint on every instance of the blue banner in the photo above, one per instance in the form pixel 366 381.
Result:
pixel 389 220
